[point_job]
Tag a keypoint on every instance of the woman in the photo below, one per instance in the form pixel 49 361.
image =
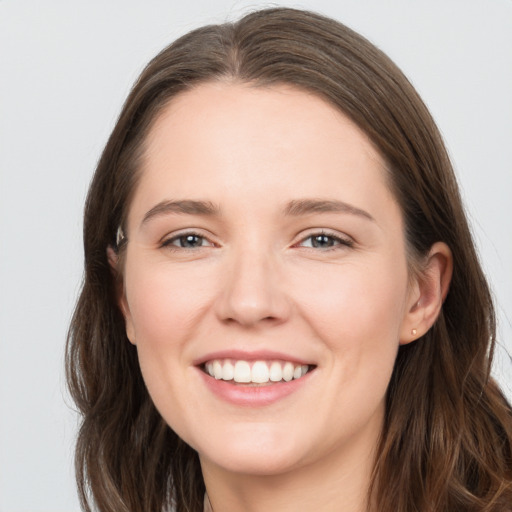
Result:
pixel 283 307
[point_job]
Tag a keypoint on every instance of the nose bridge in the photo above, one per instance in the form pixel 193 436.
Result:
pixel 252 289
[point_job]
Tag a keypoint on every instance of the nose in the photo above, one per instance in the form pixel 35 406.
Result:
pixel 253 290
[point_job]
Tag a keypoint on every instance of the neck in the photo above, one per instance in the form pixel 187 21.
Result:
pixel 339 483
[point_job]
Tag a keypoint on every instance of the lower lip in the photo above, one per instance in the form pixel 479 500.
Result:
pixel 250 395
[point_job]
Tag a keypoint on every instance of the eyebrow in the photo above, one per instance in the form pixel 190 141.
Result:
pixel 184 207
pixel 308 206
pixel 294 208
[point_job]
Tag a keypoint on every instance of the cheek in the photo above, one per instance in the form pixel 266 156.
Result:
pixel 165 309
pixel 358 313
pixel 165 304
pixel 358 317
pixel 355 300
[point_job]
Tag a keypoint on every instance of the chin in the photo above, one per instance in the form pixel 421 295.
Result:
pixel 254 452
pixel 256 464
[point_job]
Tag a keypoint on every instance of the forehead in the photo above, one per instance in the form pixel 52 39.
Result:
pixel 245 113
pixel 221 138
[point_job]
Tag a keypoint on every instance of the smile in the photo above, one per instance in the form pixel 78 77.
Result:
pixel 255 372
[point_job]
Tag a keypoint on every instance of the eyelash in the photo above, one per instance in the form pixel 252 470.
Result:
pixel 170 245
pixel 335 240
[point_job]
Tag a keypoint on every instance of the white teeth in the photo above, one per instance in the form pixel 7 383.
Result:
pixel 242 372
pixel 288 372
pixel 217 370
pixel 276 372
pixel 228 371
pixel 258 372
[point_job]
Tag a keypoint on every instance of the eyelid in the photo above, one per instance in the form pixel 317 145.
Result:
pixel 343 239
pixel 166 241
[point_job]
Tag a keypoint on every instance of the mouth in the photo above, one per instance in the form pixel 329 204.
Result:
pixel 255 373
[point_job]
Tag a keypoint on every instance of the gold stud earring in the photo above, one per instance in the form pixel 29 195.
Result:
pixel 413 332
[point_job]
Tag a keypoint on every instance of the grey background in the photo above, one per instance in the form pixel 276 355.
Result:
pixel 66 67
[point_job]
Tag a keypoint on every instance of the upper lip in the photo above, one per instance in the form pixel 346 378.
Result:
pixel 257 355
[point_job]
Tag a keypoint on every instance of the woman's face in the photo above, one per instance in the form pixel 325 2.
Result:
pixel 263 241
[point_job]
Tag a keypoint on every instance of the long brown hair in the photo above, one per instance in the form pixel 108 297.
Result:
pixel 447 440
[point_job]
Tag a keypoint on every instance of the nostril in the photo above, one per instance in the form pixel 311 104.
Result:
pixel 251 295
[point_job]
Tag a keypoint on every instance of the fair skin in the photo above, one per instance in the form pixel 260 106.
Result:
pixel 292 251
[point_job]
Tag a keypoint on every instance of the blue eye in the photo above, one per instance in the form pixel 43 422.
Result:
pixel 324 241
pixel 187 241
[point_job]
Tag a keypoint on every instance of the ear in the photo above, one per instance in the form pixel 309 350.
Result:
pixel 427 293
pixel 113 261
